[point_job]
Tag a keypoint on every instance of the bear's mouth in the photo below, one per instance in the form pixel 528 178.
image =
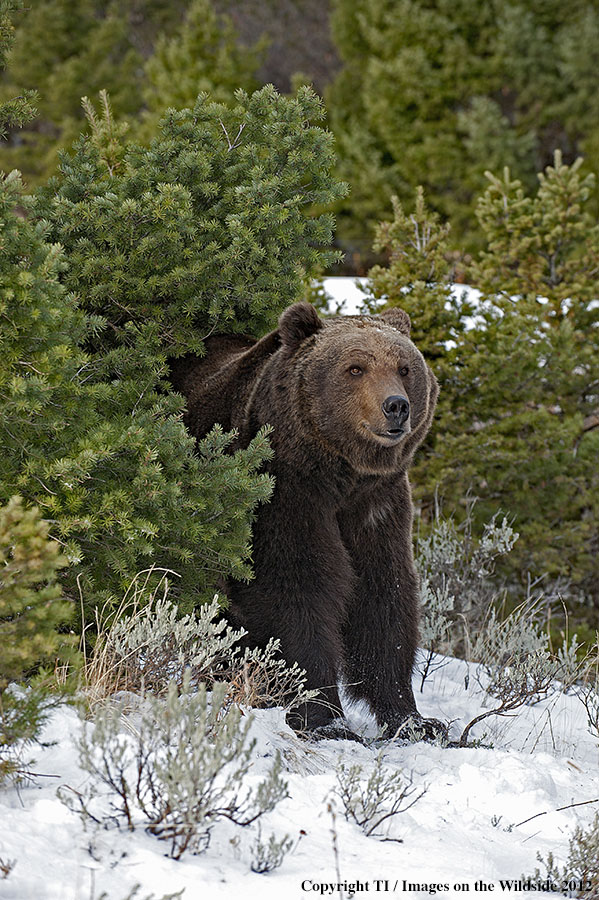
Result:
pixel 390 434
pixel 393 433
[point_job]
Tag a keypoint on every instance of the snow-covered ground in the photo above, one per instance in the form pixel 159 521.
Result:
pixel 468 827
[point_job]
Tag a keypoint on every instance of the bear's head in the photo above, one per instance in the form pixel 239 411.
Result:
pixel 364 389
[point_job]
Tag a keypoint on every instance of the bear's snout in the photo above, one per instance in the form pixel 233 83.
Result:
pixel 396 409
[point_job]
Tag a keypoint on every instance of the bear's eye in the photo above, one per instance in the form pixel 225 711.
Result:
pixel 356 370
pixel 404 371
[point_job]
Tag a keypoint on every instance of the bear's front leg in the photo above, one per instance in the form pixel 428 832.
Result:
pixel 299 592
pixel 381 634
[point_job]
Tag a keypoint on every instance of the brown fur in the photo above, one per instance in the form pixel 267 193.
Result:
pixel 334 572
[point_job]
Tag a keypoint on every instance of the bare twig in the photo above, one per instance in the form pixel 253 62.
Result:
pixel 559 809
pixel 232 145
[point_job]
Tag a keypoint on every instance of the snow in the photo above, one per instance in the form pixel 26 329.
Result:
pixel 469 826
pixel 347 295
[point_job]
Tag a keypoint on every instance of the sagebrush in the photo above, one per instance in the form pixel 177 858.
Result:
pixel 156 645
pixel 371 798
pixel 177 770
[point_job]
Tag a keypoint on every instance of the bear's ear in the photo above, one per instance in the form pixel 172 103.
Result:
pixel 297 323
pixel 398 319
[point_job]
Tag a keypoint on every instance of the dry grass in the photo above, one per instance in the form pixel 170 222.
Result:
pixel 152 646
pixel 104 672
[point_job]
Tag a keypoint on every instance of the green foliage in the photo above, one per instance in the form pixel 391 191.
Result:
pixel 99 446
pixel 147 54
pixel 438 92
pixel 106 134
pixel 202 56
pixel 31 607
pixel 518 411
pixel 31 611
pixel 525 405
pixel 64 49
pixel 417 278
pixel 315 293
pixel 23 713
pixel 16 111
pixel 432 92
pixel 181 770
pixel 209 229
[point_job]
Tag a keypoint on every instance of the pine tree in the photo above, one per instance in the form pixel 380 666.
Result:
pixel 517 423
pixel 65 49
pixel 203 56
pixel 523 433
pixel 33 633
pixel 16 111
pixel 435 93
pixel 209 229
pixel 107 460
pixel 418 276
pixel 31 607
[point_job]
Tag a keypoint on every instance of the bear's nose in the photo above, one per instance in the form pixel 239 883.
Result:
pixel 396 408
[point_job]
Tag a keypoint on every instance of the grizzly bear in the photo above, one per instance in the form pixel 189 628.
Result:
pixel 349 399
